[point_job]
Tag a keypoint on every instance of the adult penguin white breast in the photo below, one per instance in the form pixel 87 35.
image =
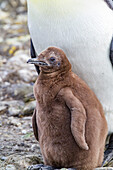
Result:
pixel 83 29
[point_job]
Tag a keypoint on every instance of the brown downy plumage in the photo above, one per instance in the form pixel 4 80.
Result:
pixel 68 120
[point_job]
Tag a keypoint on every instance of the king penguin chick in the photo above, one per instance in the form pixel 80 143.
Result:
pixel 69 119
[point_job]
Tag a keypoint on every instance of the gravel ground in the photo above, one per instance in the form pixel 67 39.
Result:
pixel 18 147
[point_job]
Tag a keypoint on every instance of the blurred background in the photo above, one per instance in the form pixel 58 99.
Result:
pixel 18 147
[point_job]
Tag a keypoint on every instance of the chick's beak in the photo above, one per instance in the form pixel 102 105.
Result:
pixel 36 62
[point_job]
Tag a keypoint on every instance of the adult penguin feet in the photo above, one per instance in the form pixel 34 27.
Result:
pixel 45 167
pixel 108 154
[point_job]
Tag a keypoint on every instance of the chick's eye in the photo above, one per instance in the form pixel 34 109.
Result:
pixel 52 59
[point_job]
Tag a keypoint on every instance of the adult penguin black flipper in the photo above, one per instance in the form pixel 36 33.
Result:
pixel 110 3
pixel 111 52
pixel 33 54
pixel 108 154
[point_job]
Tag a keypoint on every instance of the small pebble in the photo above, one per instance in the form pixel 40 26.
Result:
pixel 24 131
pixel 3 158
pixel 10 167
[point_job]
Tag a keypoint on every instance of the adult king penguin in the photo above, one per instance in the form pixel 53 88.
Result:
pixel 82 28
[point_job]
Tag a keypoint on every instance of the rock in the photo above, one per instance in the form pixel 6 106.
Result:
pixel 18 60
pixel 12 5
pixel 26 76
pixel 29 97
pixel 16 67
pixel 29 108
pixel 24 71
pixel 10 167
pixel 3 158
pixel 0 80
pixel 0 123
pixel 6 83
pixel 13 108
pixel 19 91
pixel 33 159
pixel 3 15
pixel 22 18
pixel 14 121
pixel 23 2
pixel 22 162
pixel 3 75
pixel 3 109
pixel 17 148
pixel 35 147
pixel 24 131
